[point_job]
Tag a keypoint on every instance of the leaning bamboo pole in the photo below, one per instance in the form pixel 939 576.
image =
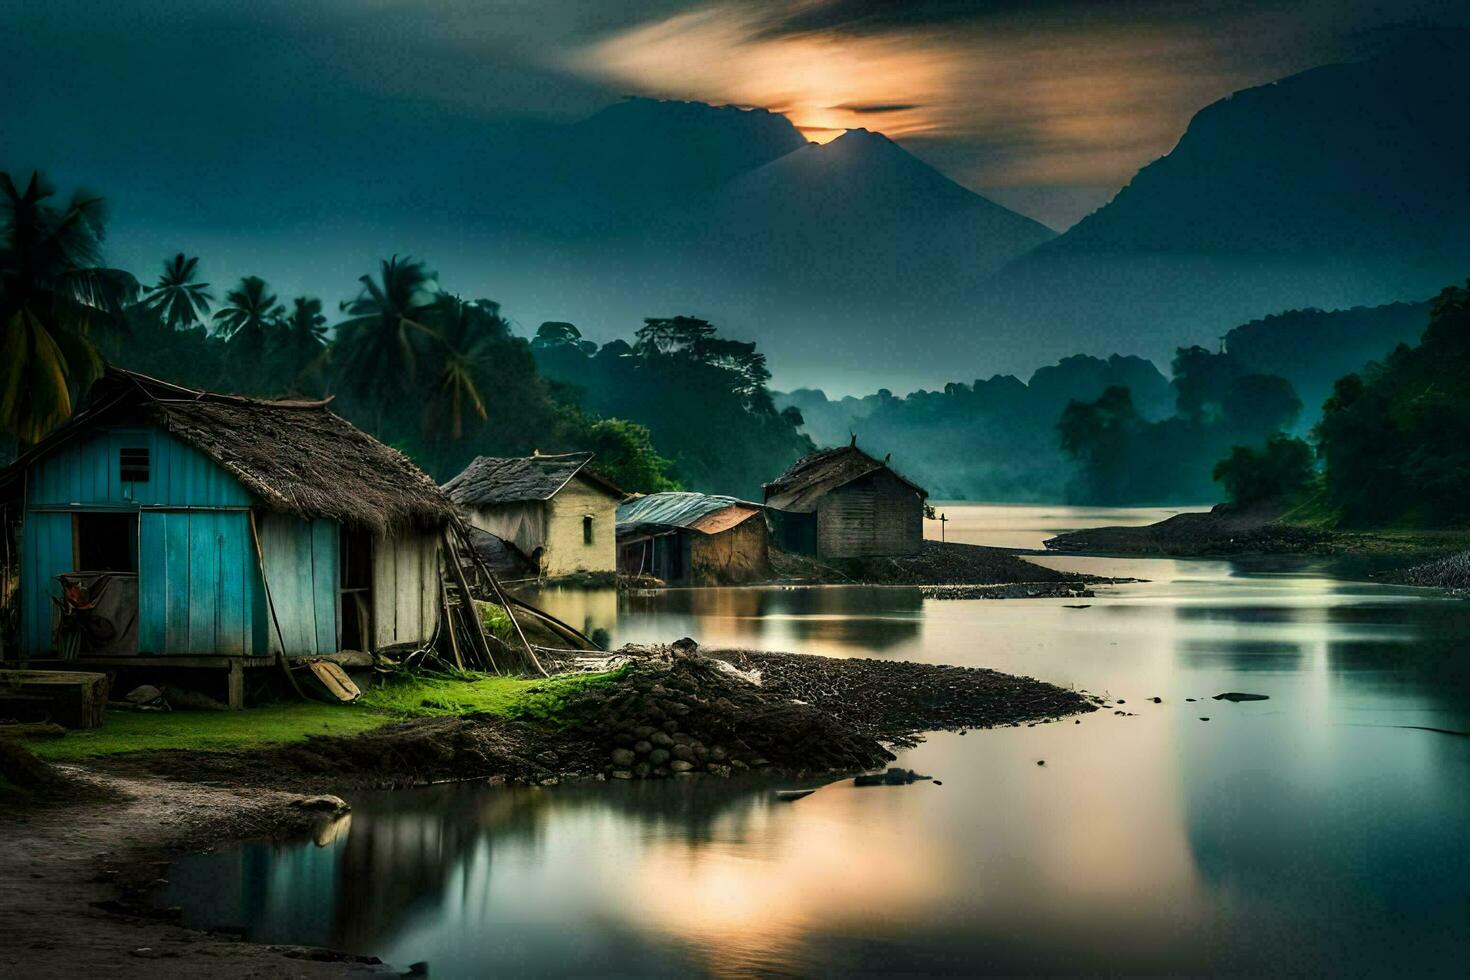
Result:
pixel 500 595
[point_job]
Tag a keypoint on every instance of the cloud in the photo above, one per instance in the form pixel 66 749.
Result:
pixel 877 108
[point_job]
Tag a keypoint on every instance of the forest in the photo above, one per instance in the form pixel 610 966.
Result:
pixel 445 378
pixel 440 376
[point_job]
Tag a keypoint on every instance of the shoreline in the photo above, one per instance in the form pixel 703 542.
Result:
pixel 86 857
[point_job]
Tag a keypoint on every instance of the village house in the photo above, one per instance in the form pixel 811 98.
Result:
pixel 843 503
pixel 164 526
pixel 693 538
pixel 556 511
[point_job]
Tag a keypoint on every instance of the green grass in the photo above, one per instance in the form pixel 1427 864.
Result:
pixel 208 731
pixel 393 699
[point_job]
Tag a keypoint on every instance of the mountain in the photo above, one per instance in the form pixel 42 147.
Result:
pixel 860 218
pixel 1342 186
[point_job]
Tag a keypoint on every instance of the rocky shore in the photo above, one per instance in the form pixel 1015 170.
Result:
pixel 87 846
pixel 1450 572
pixel 1221 531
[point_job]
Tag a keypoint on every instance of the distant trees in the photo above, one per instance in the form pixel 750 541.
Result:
pixel 702 397
pixel 1395 439
pixel 1281 470
pixel 53 291
pixel 178 296
pixel 1126 459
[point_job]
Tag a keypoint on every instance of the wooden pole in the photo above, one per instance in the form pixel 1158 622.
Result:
pixel 475 627
pixel 499 594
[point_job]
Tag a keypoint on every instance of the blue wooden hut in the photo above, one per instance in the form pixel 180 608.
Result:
pixel 209 529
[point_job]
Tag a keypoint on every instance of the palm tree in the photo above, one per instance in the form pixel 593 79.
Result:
pixel 388 326
pixel 53 290
pixel 468 332
pixel 306 327
pixel 248 316
pixel 176 297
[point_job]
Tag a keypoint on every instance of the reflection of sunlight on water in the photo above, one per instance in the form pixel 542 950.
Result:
pixel 1299 834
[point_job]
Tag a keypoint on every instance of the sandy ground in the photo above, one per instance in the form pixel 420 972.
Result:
pixel 63 858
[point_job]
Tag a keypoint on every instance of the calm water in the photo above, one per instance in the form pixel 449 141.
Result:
pixel 1308 833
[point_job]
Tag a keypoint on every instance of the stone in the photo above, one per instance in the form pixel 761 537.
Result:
pixel 684 753
pixel 621 774
pixel 738 764
pixel 1041 762
pixel 670 726
pixel 642 747
pixel 642 770
pixel 1157 700
pixel 684 645
pixel 624 739
pixel 623 758
pixel 325 803
pixel 662 739
pixel 718 753
pixel 680 765
pixel 547 758
pixel 643 731
pixel 658 756
pixel 682 738
pixel 661 772
pixel 700 752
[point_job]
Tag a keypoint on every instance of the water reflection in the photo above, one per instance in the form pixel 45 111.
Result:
pixel 1308 833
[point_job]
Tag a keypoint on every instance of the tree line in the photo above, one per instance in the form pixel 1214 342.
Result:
pixel 442 377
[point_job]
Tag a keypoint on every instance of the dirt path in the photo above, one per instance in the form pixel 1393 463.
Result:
pixel 109 836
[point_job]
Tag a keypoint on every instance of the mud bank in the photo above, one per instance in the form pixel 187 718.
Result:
pixel 85 854
pixel 938 564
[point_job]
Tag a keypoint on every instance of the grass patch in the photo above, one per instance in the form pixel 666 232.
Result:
pixel 207 731
pixel 389 700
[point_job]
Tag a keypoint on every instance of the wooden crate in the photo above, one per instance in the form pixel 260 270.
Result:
pixel 74 698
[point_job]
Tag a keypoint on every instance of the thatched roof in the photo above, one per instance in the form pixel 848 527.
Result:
pixel 800 487
pixel 490 480
pixel 297 457
pixel 706 513
pixel 501 556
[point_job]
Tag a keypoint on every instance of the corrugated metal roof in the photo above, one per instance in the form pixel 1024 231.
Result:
pixel 697 511
pixel 500 480
pixel 801 486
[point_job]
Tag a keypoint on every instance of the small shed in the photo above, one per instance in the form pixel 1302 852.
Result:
pixel 215 530
pixel 693 538
pixel 843 503
pixel 556 510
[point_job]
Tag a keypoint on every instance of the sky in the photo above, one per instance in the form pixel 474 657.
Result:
pixel 1046 106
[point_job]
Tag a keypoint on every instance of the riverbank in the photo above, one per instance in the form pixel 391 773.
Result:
pixel 1226 531
pixel 1451 572
pixel 86 854
pixel 938 563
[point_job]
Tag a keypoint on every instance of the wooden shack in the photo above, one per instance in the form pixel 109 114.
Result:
pixel 843 503
pixel 557 511
pixel 165 526
pixel 693 538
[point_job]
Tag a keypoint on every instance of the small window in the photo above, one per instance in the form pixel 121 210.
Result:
pixel 586 528
pixel 132 465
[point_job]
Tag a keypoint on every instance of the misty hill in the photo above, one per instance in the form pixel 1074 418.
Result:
pixel 1343 186
pixel 1313 348
pixel 630 165
pixel 861 216
pixel 995 439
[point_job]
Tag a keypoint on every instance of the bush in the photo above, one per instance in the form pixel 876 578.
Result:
pixel 1282 469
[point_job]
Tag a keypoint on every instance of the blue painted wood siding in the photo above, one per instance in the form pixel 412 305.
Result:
pixel 198 586
pixel 301 560
pixel 45 553
pixel 85 472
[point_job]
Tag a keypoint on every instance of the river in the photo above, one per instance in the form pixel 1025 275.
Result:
pixel 1318 831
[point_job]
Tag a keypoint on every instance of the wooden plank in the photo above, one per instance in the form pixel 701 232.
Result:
pixel 152 583
pixel 176 564
pixel 324 558
pixel 235 686
pixel 385 587
pixel 72 698
pixel 203 583
pixel 232 634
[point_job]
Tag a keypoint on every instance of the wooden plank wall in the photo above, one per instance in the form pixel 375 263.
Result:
pixel 876 515
pixel 405 588
pixel 198 586
pixel 46 553
pixel 301 559
pixel 85 472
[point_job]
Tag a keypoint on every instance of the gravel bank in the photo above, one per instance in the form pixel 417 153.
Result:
pixel 1450 572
